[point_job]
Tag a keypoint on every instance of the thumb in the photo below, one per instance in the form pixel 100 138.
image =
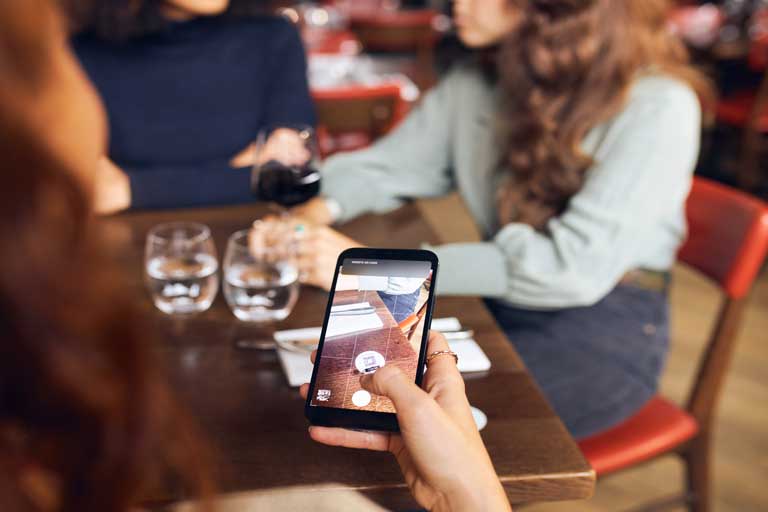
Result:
pixel 391 382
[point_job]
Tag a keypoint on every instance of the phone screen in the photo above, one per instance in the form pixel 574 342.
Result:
pixel 377 317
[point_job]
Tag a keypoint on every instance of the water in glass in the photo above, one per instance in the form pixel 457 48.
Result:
pixel 181 267
pixel 260 284
pixel 183 285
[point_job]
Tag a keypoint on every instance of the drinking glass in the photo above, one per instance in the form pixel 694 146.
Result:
pixel 285 173
pixel 181 267
pixel 261 282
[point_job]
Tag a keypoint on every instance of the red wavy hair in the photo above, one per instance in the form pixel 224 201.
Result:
pixel 87 422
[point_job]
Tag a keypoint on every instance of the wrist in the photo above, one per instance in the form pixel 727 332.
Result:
pixel 120 193
pixel 113 193
pixel 124 193
pixel 478 494
pixel 333 209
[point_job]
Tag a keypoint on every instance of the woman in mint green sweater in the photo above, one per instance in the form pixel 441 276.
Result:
pixel 574 155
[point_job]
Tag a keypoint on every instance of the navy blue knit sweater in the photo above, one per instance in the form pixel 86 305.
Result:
pixel 182 103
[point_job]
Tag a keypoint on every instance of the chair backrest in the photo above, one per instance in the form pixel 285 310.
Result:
pixel 728 241
pixel 365 111
pixel 728 236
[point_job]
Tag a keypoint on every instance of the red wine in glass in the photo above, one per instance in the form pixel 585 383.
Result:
pixel 288 177
pixel 285 185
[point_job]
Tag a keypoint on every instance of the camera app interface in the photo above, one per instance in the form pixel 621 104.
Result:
pixel 377 318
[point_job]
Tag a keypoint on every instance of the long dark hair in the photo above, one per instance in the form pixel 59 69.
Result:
pixel 119 20
pixel 565 69
pixel 87 422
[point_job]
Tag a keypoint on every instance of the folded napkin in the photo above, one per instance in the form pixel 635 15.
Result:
pixel 340 308
pixel 345 320
pixel 296 365
pixel 471 356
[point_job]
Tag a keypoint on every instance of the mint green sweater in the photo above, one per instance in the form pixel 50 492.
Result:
pixel 629 214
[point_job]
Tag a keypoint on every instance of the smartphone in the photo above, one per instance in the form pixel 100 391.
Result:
pixel 379 312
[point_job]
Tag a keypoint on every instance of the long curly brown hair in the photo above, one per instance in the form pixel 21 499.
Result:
pixel 87 422
pixel 566 68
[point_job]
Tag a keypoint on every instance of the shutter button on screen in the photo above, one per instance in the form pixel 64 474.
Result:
pixel 361 398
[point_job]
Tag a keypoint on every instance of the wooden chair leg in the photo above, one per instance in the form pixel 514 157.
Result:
pixel 697 470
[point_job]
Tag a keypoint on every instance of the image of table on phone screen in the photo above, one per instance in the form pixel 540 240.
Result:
pixel 374 321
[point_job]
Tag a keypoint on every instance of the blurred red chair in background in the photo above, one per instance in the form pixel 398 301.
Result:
pixel 353 117
pixel 728 242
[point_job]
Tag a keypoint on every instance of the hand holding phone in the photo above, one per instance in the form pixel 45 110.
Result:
pixel 439 448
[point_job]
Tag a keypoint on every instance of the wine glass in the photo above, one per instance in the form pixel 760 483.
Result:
pixel 285 173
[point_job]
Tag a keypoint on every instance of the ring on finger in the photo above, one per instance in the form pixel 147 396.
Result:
pixel 439 353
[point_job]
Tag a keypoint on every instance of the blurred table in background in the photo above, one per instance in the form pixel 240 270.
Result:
pixel 358 99
pixel 371 26
pixel 368 62
pixel 255 421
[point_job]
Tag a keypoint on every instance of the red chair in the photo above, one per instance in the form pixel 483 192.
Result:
pixel 353 117
pixel 727 243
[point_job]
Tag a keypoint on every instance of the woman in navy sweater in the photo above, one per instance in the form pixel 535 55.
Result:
pixel 187 86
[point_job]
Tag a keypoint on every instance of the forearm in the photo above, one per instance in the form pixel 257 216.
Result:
pixel 413 161
pixel 527 269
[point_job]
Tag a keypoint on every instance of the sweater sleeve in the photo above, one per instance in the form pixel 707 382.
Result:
pixel 639 182
pixel 413 161
pixel 288 99
pixel 177 187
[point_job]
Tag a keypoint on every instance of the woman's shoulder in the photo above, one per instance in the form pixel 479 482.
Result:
pixel 465 87
pixel 274 27
pixel 259 32
pixel 656 102
pixel 659 90
pixel 261 22
pixel 467 75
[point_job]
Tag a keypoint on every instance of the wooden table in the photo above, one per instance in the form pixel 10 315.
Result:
pixel 256 423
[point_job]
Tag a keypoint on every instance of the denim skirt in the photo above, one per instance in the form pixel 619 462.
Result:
pixel 401 306
pixel 599 364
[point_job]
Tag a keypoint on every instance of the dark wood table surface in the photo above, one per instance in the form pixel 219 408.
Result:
pixel 256 423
